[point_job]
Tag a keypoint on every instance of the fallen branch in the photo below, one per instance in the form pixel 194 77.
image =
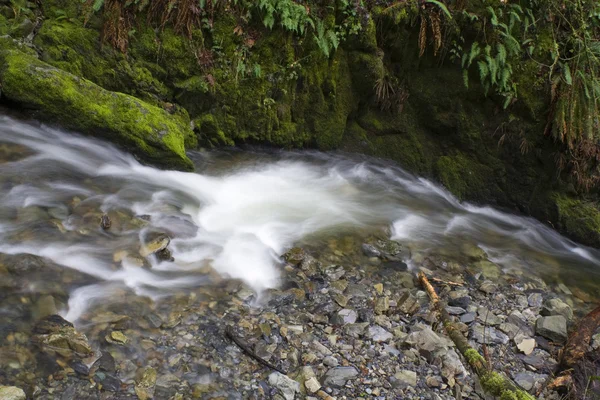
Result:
pixel 449 283
pixel 491 381
pixel 246 349
pixel 575 350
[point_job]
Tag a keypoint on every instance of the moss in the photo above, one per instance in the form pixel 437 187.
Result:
pixel 210 133
pixel 463 176
pixel 367 69
pixel 579 218
pixel 499 386
pixel 473 357
pixel 80 104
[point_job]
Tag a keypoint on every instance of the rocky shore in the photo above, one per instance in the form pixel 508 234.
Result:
pixel 335 330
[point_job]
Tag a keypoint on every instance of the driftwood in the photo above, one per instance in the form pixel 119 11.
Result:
pixel 491 381
pixel 246 349
pixel 574 351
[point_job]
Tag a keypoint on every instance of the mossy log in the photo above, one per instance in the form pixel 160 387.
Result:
pixel 76 103
pixel 491 381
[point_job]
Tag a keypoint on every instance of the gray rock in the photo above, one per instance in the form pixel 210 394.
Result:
pixel 557 307
pixel 488 287
pixel 355 330
pixel 468 318
pixel 488 335
pixel 408 304
pixel 344 316
pixel 330 361
pixel 378 334
pixel 288 387
pixel 426 341
pixel 405 378
pixel 337 377
pixel 370 251
pixel 11 393
pixel 455 310
pixel 459 298
pixel 535 300
pixel 553 327
pixel 528 380
pixel 487 317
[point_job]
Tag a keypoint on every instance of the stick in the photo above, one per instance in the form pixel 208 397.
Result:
pixel 491 381
pixel 246 349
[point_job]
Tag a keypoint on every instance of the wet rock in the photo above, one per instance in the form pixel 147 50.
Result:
pixel 426 341
pixel 54 335
pixel 355 330
pixel 488 287
pixel 288 387
pixel 11 393
pixel 408 304
pixel 378 334
pixel 451 365
pixel 44 307
pixel 337 377
pixel 553 327
pixel 344 316
pixel 382 305
pixel 556 306
pixel 156 245
pixel 455 310
pixel 117 337
pixel 485 316
pixel 535 300
pixel 295 255
pixel 145 384
pixel 105 222
pixel 405 378
pixel 370 251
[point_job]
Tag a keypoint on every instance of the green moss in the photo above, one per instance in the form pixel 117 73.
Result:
pixel 473 357
pixel 463 176
pixel 210 133
pixel 499 386
pixel 579 218
pixel 80 104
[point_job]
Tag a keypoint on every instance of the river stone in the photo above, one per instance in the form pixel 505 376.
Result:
pixel 488 287
pixel 405 378
pixel 295 255
pixel 468 318
pixel 344 316
pixel 535 300
pixel 557 307
pixel 525 344
pixel 337 377
pixel 54 335
pixel 459 298
pixel 355 330
pixel 455 310
pixel 370 251
pixel 145 384
pixel 553 327
pixel 378 334
pixel 11 393
pixel 156 245
pixel 488 335
pixel 312 385
pixel 528 380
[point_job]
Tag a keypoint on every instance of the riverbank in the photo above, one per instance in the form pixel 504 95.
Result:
pixel 334 329
pixel 234 81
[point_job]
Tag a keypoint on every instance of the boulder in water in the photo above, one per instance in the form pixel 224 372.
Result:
pixel 56 336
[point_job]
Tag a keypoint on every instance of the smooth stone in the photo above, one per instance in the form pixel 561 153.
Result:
pixel 488 287
pixel 344 316
pixel 378 334
pixel 553 327
pixel 337 377
pixel 11 393
pixel 455 310
pixel 535 300
pixel 370 251
pixel 468 318
pixel 330 361
pixel 405 378
pixel 557 307
pixel 287 386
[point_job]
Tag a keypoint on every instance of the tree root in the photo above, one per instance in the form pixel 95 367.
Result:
pixel 491 381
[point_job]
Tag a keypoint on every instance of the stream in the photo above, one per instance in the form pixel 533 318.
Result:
pixel 231 219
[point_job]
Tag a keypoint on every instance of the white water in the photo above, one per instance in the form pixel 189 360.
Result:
pixel 238 213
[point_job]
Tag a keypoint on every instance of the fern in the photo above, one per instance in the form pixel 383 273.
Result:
pixel 442 7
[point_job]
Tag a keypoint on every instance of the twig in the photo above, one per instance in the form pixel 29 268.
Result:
pixel 246 349
pixel 449 283
pixel 491 381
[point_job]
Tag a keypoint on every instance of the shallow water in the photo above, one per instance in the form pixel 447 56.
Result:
pixel 234 217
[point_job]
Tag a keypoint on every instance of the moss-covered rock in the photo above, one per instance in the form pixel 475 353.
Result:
pixel 79 104
pixel 578 218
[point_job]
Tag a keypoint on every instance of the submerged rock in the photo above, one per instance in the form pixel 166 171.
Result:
pixel 11 393
pixel 155 246
pixel 56 336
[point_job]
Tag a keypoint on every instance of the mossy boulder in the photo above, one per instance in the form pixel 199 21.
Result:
pixel 76 103
pixel 579 218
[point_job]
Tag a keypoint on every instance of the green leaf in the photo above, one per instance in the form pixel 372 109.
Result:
pixel 442 6
pixel 97 5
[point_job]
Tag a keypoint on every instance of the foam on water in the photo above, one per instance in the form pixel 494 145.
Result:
pixel 238 216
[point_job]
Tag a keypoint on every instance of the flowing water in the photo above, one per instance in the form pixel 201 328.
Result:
pixel 234 217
